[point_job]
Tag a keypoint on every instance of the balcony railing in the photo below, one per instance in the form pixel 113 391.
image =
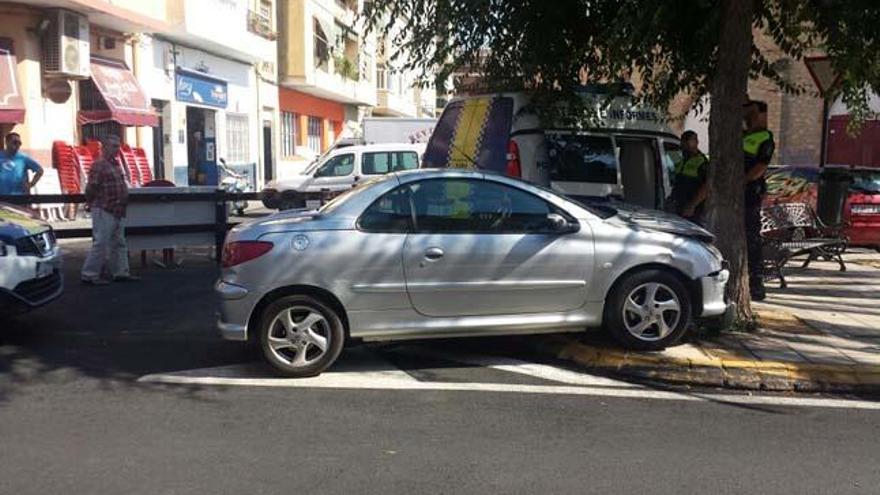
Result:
pixel 261 25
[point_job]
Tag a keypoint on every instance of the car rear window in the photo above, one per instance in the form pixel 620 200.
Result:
pixel 866 181
pixel 472 133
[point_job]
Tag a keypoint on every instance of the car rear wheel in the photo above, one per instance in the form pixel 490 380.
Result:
pixel 300 336
pixel 648 310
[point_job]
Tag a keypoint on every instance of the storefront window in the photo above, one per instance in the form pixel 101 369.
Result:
pixel 316 134
pixel 288 133
pixel 237 148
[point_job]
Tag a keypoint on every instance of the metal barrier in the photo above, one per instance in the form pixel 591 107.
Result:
pixel 219 227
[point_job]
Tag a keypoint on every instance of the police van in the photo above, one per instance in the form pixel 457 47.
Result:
pixel 624 151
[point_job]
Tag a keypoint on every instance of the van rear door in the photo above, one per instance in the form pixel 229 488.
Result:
pixel 472 133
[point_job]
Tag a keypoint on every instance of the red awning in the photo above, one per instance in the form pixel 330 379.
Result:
pixel 11 102
pixel 124 98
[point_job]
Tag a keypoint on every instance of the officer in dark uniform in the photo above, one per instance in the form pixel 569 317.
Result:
pixel 758 146
pixel 691 186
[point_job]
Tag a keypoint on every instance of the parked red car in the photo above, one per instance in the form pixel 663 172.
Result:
pixel 861 211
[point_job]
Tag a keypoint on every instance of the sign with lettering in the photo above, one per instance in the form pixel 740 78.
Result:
pixel 195 87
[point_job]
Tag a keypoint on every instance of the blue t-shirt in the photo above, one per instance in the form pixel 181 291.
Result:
pixel 13 172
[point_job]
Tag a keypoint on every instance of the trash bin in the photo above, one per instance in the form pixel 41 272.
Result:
pixel 834 185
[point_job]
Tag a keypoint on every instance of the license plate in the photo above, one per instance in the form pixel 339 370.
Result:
pixel 866 209
pixel 44 269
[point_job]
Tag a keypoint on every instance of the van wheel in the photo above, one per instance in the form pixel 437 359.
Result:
pixel 300 336
pixel 648 310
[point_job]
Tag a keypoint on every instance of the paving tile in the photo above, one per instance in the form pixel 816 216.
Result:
pixel 821 354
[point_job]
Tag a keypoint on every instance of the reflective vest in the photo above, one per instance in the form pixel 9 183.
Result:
pixel 691 167
pixel 752 145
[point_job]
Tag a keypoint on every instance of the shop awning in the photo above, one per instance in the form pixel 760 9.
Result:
pixel 124 100
pixel 11 102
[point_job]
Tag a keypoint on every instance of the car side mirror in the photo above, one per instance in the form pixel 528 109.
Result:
pixel 561 225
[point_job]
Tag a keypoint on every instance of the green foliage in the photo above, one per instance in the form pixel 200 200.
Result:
pixel 551 48
pixel 346 68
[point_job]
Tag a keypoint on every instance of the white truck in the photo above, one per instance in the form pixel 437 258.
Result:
pixel 377 130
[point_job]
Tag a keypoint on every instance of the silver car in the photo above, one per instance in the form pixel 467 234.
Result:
pixel 449 253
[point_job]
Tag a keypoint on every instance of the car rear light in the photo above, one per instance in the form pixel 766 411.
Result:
pixel 513 167
pixel 236 253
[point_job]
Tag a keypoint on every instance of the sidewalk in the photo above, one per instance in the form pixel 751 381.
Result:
pixel 820 334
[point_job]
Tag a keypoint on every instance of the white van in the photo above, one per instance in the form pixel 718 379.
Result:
pixel 340 170
pixel 626 152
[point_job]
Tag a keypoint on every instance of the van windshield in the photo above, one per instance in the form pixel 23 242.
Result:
pixel 581 158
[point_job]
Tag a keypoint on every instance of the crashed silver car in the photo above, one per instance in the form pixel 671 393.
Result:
pixel 452 253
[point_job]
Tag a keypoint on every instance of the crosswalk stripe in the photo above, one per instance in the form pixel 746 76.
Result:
pixel 536 370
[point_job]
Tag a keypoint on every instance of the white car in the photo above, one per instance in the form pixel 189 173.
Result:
pixel 340 170
pixel 30 262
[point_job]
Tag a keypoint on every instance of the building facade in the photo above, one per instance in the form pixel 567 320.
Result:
pixel 188 81
pixel 331 75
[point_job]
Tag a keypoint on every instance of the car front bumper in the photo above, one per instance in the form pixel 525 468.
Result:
pixel 236 304
pixel 713 289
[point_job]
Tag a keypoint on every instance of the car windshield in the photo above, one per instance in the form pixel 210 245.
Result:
pixel 866 181
pixel 353 193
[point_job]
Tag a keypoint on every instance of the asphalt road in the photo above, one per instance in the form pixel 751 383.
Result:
pixel 83 409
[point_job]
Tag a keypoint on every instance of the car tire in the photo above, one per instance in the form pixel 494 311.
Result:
pixel 293 346
pixel 633 315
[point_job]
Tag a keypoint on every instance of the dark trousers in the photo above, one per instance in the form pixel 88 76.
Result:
pixel 753 240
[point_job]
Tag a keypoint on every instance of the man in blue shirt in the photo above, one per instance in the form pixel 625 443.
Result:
pixel 14 167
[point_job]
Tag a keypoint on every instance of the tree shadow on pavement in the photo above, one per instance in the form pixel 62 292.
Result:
pixel 116 333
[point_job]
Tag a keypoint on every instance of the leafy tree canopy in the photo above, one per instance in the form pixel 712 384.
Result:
pixel 670 46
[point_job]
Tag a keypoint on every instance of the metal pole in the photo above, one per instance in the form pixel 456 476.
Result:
pixel 823 152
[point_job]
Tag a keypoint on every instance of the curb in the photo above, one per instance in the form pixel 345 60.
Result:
pixel 733 372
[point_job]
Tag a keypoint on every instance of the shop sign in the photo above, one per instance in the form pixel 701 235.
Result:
pixel 194 87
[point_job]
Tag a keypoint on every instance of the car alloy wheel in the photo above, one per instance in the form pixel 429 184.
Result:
pixel 648 310
pixel 651 312
pixel 299 336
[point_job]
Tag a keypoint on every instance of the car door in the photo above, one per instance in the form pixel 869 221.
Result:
pixel 481 247
pixel 336 174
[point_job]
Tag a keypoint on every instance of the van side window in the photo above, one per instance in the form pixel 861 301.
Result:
pixel 338 166
pixel 579 158
pixel 389 161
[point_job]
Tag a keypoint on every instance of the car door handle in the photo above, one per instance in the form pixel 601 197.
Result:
pixel 434 253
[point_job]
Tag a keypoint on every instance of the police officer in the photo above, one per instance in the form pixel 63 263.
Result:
pixel 758 146
pixel 691 187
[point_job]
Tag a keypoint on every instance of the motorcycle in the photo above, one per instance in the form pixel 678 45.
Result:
pixel 234 182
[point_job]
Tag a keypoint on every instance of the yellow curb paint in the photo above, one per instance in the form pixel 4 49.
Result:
pixel 604 358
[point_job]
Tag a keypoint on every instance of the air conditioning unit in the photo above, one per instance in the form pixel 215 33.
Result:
pixel 66 45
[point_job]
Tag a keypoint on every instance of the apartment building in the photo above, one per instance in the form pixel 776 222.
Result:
pixel 189 81
pixel 331 75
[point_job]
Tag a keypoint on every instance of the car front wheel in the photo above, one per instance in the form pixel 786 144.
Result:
pixel 300 336
pixel 648 310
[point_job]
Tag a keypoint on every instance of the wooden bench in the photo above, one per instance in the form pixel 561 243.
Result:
pixel 793 229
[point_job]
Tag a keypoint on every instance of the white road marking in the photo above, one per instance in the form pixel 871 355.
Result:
pixel 543 371
pixel 399 380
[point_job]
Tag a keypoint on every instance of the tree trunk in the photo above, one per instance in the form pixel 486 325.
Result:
pixel 729 89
